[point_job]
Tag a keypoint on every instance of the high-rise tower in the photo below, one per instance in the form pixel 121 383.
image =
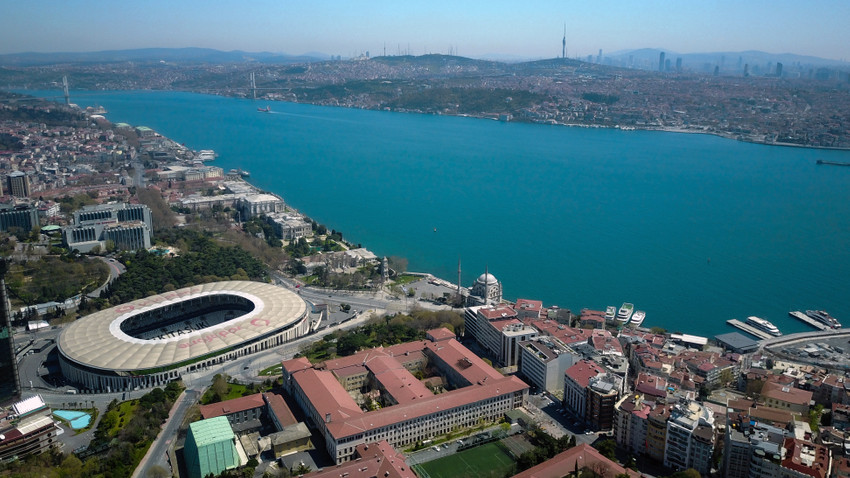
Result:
pixel 9 380
pixel 564 43
pixel 661 61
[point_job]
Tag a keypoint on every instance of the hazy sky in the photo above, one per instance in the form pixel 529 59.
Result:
pixel 531 28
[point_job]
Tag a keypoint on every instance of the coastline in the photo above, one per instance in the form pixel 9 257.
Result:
pixel 495 117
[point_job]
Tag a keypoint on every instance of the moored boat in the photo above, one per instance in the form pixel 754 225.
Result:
pixel 823 317
pixel 625 312
pixel 763 325
pixel 610 313
pixel 638 318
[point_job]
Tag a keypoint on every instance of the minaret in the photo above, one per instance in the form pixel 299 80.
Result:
pixel 486 284
pixel 564 43
pixel 458 278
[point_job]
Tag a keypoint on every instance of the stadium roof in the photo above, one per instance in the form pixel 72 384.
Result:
pixel 97 340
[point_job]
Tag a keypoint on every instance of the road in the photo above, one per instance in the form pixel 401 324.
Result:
pixel 115 270
pixel 158 452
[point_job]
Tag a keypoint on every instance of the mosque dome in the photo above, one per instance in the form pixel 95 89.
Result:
pixel 489 279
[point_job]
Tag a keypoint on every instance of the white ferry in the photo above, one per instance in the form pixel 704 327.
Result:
pixel 763 325
pixel 625 312
pixel 206 155
pixel 610 313
pixel 637 318
pixel 823 317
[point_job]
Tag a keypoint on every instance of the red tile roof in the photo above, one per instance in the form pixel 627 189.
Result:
pixel 806 458
pixel 279 408
pixel 442 333
pixel 375 460
pixel 786 393
pixel 576 458
pixel 235 405
pixel 583 371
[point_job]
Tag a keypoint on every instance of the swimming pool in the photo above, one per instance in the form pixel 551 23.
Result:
pixel 76 419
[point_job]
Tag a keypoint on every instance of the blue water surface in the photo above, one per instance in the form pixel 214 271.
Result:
pixel 693 229
pixel 77 420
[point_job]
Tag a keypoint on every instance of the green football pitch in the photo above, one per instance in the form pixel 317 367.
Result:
pixel 490 460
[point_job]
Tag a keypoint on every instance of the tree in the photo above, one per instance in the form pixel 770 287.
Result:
pixel 396 263
pixel 157 471
pixel 219 386
pixel 607 448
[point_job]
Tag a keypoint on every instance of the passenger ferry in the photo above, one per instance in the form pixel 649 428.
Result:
pixel 610 313
pixel 625 312
pixel 823 317
pixel 763 325
pixel 637 318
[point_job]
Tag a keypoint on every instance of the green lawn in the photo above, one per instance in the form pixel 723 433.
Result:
pixel 406 279
pixel 490 460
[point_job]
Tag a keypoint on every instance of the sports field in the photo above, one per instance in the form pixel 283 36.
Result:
pixel 490 460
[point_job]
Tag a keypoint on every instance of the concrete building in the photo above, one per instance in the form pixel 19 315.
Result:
pixel 752 449
pixel 498 330
pixel 690 437
pixel 257 204
pixel 112 213
pixel 786 397
pixel 414 412
pixel 128 226
pixel 23 216
pixel 591 392
pixel 543 363
pixel 18 184
pixel 10 388
pixel 289 226
pixel 631 422
pixel 656 432
pixel 802 459
pixel 26 428
pixel 210 448
pixel 603 391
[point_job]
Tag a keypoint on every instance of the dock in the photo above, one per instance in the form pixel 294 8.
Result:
pixel 805 318
pixel 749 329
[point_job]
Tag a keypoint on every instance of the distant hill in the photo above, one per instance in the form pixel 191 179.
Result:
pixel 146 55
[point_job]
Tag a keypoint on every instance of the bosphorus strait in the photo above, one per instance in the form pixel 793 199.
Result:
pixel 693 229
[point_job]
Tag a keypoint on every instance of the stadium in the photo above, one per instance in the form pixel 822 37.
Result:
pixel 152 341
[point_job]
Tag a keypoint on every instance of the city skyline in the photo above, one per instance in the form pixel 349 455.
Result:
pixel 473 29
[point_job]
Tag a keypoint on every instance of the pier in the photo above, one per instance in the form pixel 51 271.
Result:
pixel 749 329
pixel 805 318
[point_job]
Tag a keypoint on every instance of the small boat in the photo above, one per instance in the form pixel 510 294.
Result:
pixel 625 312
pixel 267 109
pixel 637 318
pixel 763 325
pixel 610 313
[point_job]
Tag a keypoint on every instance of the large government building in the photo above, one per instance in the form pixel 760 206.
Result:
pixel 151 341
pixel 408 410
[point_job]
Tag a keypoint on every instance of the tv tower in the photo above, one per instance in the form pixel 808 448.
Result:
pixel 564 43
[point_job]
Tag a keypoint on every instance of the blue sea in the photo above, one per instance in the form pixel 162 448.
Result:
pixel 693 229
